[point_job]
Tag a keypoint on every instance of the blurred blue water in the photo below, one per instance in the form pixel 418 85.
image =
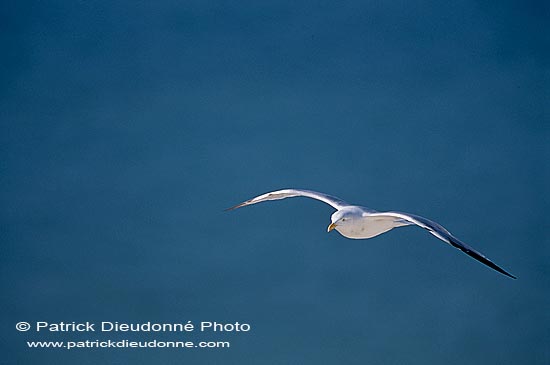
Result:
pixel 128 127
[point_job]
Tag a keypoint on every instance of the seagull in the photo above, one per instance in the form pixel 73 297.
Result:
pixel 358 222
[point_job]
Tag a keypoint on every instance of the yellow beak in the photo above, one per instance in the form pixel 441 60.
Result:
pixel 331 227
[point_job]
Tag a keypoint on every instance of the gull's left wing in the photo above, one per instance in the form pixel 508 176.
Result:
pixel 444 235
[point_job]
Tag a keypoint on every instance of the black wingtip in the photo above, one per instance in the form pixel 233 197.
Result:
pixel 494 266
pixel 234 207
pixel 489 263
pixel 478 256
pixel 481 258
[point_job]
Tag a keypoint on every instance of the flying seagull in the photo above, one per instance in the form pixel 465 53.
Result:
pixel 357 222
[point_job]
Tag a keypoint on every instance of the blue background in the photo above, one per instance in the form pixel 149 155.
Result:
pixel 127 128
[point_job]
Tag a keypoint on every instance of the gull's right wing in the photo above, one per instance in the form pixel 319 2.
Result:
pixel 334 202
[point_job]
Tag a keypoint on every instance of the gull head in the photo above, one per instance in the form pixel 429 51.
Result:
pixel 344 218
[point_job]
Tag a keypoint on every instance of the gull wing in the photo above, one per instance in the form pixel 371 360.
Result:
pixel 444 235
pixel 334 202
